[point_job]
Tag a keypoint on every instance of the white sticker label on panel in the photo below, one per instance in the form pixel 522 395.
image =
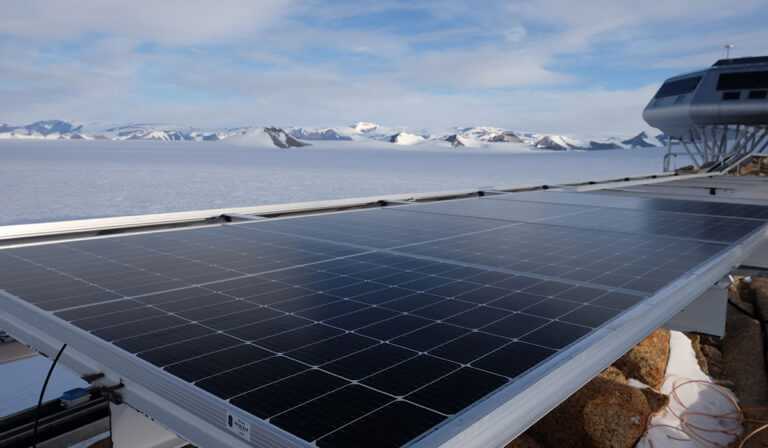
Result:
pixel 239 426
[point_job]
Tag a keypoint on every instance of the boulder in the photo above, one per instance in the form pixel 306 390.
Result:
pixel 524 441
pixel 647 361
pixel 700 358
pixel 656 400
pixel 605 413
pixel 714 358
pixel 742 363
pixel 613 374
pixel 760 286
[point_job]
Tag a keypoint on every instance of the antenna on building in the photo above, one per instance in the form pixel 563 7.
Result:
pixel 728 50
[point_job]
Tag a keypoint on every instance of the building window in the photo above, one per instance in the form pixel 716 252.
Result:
pixel 758 94
pixel 731 95
pixel 678 87
pixel 743 80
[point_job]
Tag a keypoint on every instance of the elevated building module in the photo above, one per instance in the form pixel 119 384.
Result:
pixel 715 113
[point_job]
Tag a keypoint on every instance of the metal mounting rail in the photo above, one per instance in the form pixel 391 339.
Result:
pixel 48 231
pixel 58 426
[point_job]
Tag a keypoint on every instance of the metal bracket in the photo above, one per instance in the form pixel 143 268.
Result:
pixel 706 314
pixel 230 217
pixel 131 429
pixel 91 377
pixel 758 259
pixel 110 393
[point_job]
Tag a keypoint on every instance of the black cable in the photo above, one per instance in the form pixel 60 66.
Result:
pixel 42 392
pixel 747 312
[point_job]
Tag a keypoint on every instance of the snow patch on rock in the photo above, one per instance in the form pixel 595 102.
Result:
pixel 700 396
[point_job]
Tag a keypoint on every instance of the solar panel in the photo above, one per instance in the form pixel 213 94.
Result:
pixel 369 328
pixel 626 261
pixel 378 228
pixel 640 203
pixel 636 221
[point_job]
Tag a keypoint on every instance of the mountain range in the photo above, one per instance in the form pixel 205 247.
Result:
pixel 478 136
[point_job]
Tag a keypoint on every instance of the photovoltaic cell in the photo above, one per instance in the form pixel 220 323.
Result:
pixel 369 328
pixel 641 203
pixel 635 220
pixel 602 259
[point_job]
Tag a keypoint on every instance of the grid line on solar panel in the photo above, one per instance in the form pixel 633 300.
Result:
pixel 633 263
pixel 225 288
pixel 246 396
pixel 687 226
pixel 56 303
pixel 374 229
pixel 708 208
pixel 643 285
pixel 479 389
pixel 484 209
pixel 182 325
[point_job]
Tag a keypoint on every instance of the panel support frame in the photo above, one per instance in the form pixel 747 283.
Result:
pixel 705 314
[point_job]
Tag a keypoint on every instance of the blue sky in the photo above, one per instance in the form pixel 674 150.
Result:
pixel 548 66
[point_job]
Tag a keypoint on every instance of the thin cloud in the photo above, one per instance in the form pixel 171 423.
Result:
pixel 544 65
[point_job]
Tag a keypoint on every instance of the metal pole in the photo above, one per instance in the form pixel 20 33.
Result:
pixel 695 163
pixel 705 151
pixel 758 142
pixel 722 144
pixel 717 149
pixel 693 141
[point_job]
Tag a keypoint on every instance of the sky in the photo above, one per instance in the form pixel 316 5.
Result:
pixel 554 66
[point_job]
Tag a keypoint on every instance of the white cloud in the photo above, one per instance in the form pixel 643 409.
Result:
pixel 309 63
pixel 515 34
pixel 180 22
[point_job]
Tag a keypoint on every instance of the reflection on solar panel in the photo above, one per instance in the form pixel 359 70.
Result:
pixel 371 328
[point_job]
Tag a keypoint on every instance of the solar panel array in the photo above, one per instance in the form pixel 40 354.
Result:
pixel 371 328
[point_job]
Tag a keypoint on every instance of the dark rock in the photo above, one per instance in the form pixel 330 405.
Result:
pixel 743 365
pixel 638 141
pixel 453 140
pixel 505 137
pixel 700 358
pixel 281 139
pixel 656 400
pixel 524 441
pixel 714 358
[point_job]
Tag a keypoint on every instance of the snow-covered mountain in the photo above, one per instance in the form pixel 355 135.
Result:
pixel 489 134
pixel 265 136
pixel 362 127
pixel 469 137
pixel 318 134
pixel 642 140
pixel 455 140
pixel 49 129
pixel 406 138
pixel 167 132
pixel 557 142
